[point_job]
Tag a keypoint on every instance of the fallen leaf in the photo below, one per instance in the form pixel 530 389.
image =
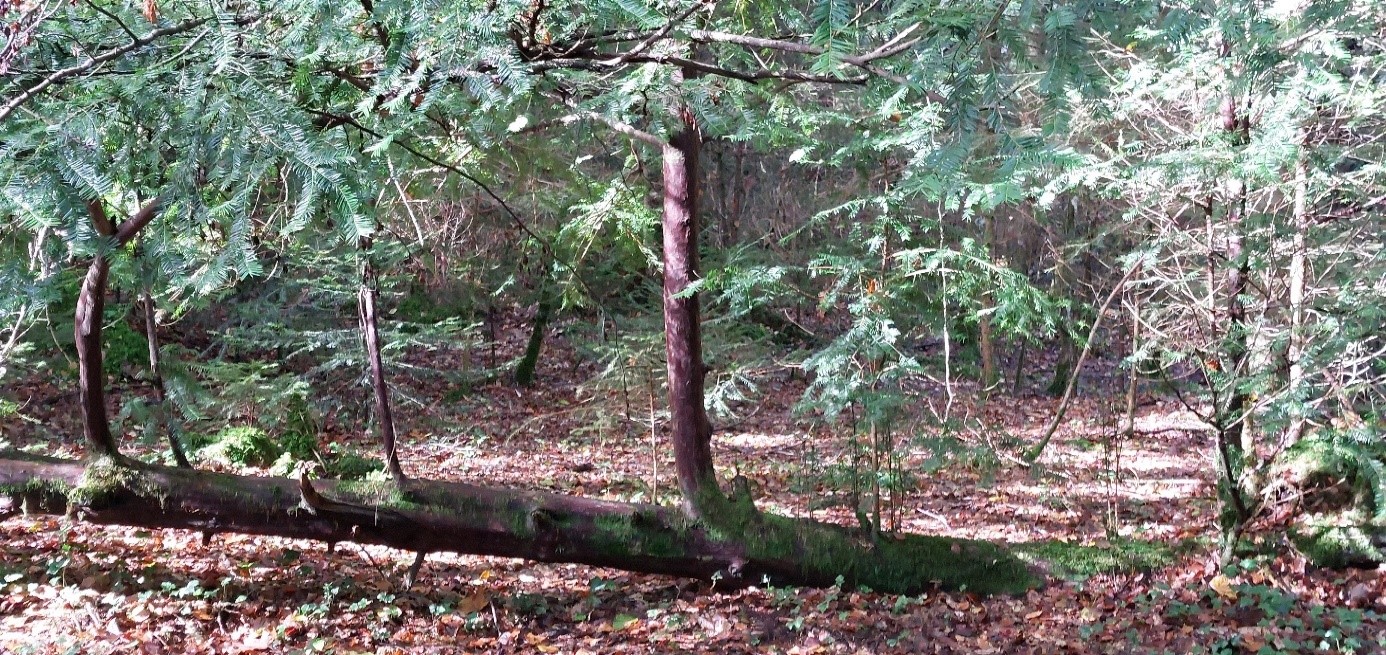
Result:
pixel 1223 586
pixel 474 603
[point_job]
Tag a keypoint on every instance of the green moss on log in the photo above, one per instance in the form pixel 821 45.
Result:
pixel 1078 561
pixel 633 534
pixel 888 562
pixel 105 479
pixel 37 486
pixel 385 494
pixel 1337 546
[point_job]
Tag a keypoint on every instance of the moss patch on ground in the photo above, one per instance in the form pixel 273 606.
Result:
pixel 1074 561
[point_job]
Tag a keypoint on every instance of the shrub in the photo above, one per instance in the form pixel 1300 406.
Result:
pixel 241 445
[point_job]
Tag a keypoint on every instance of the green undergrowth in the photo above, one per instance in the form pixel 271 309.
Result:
pixel 1075 561
pixel 244 446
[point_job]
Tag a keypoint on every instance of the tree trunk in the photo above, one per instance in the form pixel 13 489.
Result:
pixel 91 307
pixel 1235 437
pixel 1077 372
pixel 151 334
pixel 91 376
pixel 370 330
pixel 737 549
pixel 524 371
pixel 985 341
pixel 692 432
pixel 1299 283
pixel 1238 275
pixel 1063 366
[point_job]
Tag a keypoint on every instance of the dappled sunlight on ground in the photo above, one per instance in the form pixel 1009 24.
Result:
pixel 116 590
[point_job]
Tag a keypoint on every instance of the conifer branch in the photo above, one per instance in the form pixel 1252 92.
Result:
pixel 77 69
pixel 657 35
pixel 751 77
pixel 544 244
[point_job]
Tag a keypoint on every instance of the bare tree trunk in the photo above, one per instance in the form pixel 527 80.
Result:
pixel 370 330
pixel 692 432
pixel 1038 449
pixel 525 369
pixel 151 334
pixel 1298 287
pixel 91 306
pixel 1133 378
pixel 1239 271
pixel 1236 438
pixel 91 380
pixel 1063 286
pixel 985 342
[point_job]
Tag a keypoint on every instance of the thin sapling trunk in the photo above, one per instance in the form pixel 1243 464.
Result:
pixel 370 331
pixel 156 375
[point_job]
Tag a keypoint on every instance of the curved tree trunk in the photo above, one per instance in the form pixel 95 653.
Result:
pixel 91 374
pixel 91 306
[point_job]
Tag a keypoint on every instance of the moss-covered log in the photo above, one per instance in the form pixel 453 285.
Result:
pixel 740 547
pixel 1330 494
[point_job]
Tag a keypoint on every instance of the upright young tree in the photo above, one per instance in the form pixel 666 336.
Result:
pixel 1248 158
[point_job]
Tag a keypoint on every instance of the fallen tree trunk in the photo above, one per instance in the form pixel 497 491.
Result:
pixel 739 547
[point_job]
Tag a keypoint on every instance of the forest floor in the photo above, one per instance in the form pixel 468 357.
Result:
pixel 1124 526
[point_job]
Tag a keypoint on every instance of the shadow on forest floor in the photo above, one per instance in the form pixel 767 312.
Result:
pixel 1125 533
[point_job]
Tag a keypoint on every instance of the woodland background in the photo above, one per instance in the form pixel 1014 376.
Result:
pixel 714 307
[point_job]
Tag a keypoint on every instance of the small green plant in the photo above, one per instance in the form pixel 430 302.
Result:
pixel 301 445
pixel 344 463
pixel 320 610
pixel 241 445
pixel 535 605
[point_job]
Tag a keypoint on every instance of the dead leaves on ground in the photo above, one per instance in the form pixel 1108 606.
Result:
pixel 83 588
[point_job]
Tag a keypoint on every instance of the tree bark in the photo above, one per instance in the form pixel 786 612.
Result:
pixel 1235 437
pixel 91 375
pixel 525 369
pixel 370 331
pixel 692 432
pixel 737 549
pixel 1299 284
pixel 1237 418
pixel 1072 382
pixel 985 342
pixel 91 307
